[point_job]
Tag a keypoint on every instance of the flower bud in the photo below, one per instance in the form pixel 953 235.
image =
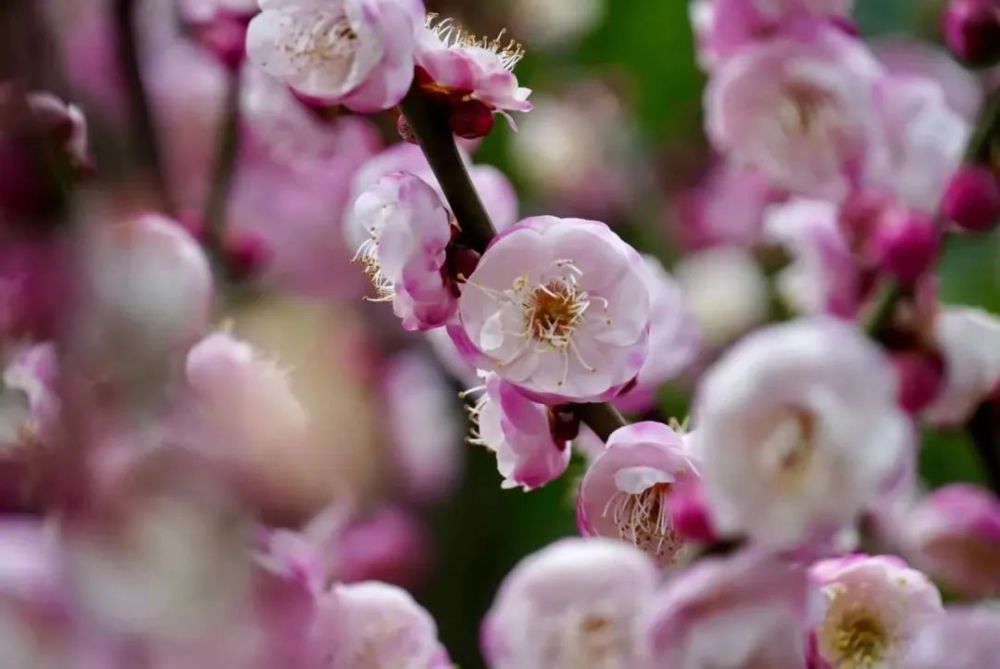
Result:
pixel 471 119
pixel 920 376
pixel 224 38
pixel 247 255
pixel 972 200
pixel 689 513
pixel 905 244
pixel 972 30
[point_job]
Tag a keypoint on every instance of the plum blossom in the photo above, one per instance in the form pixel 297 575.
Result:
pixel 875 607
pixel 359 54
pixel 409 230
pixel 954 534
pixel 475 74
pixel 530 452
pixel 724 27
pixel 749 610
pixel 424 425
pixel 572 605
pixel 626 492
pixel 799 108
pixel 962 638
pixel 969 340
pixel 375 625
pixel 798 429
pixel 203 11
pixel 559 308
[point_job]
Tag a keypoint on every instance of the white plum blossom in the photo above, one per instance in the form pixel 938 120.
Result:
pixel 798 429
pixel 559 308
pixel 359 53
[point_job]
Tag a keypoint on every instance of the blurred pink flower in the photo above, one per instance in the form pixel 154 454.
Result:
pixel 750 611
pixel 798 429
pixel 558 308
pixel 954 534
pixel 724 27
pixel 378 625
pixel 572 604
pixel 409 230
pixel 520 432
pixel 423 424
pixel 875 607
pixel 201 11
pixel 962 638
pixel 349 52
pixel 969 340
pixel 626 492
pixel 389 545
pixel 972 199
pixel 34 289
pixel 799 108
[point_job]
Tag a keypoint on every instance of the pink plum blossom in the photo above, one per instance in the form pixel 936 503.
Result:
pixel 375 625
pixel 574 604
pixel 954 534
pixel 724 27
pixel 874 609
pixel 799 108
pixel 798 429
pixel 559 308
pixel 969 340
pixel 626 492
pixel 389 545
pixel 750 611
pixel 202 11
pixel 520 432
pixel 472 68
pixel 359 54
pixel 422 417
pixel 674 339
pixel 962 638
pixel 409 230
pixel 972 199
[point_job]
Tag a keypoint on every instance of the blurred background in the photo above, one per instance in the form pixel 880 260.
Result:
pixel 616 135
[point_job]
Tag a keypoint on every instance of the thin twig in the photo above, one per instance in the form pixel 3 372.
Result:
pixel 144 130
pixel 429 123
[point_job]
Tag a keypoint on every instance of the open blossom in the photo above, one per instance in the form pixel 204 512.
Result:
pixel 750 611
pixel 962 638
pixel 559 308
pixel 969 339
pixel 572 605
pixel 520 431
pixel 875 607
pixel 954 534
pixel 375 625
pixel 798 428
pixel 474 74
pixel 626 491
pixel 359 54
pixel 408 233
pixel 799 107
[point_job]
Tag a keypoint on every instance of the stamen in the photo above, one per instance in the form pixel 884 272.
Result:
pixel 643 520
pixel 367 255
pixel 454 37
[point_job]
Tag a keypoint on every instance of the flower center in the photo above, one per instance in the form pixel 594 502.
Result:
pixel 553 311
pixel 453 36
pixel 593 640
pixel 788 447
pixel 324 37
pixel 859 642
pixel 644 520
pixel 805 112
pixel 367 255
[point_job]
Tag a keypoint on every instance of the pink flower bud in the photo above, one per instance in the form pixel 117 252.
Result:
pixel 390 546
pixel 689 513
pixel 921 377
pixel 471 119
pixel 955 534
pixel 225 38
pixel 972 199
pixel 972 30
pixel 247 255
pixel 905 244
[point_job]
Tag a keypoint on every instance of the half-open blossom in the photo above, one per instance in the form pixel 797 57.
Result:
pixel 520 431
pixel 572 605
pixel 962 638
pixel 875 607
pixel 750 611
pixel 474 74
pixel 408 233
pixel 969 340
pixel 954 534
pixel 724 27
pixel 798 107
pixel 376 625
pixel 798 428
pixel 559 308
pixel 625 493
pixel 359 54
